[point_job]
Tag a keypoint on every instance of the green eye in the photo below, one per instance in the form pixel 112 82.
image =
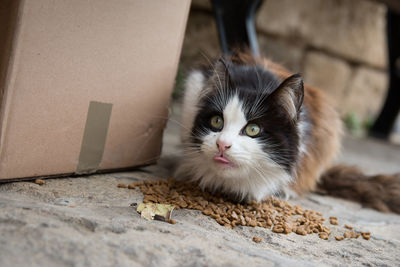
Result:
pixel 217 122
pixel 252 129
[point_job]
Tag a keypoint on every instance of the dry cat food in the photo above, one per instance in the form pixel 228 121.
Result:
pixel 271 213
pixel 351 234
pixel 348 227
pixel 39 181
pixel 257 239
pixel 366 235
pixel 333 220
pixel 339 238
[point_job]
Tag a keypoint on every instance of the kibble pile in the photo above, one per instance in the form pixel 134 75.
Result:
pixel 271 213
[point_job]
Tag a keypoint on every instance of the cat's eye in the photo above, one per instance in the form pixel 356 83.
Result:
pixel 252 129
pixel 217 122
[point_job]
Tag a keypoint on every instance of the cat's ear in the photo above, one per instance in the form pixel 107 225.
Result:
pixel 222 74
pixel 290 94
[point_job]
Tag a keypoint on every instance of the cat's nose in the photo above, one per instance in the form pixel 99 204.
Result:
pixel 222 146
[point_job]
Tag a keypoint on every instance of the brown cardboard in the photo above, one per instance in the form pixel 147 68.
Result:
pixel 63 55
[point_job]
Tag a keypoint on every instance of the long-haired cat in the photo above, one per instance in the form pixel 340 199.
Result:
pixel 251 130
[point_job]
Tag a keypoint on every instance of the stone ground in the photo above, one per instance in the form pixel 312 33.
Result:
pixel 88 221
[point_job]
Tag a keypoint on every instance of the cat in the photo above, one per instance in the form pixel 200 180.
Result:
pixel 251 130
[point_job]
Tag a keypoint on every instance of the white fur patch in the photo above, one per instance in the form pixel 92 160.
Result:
pixel 255 174
pixel 288 104
pixel 193 87
pixel 302 127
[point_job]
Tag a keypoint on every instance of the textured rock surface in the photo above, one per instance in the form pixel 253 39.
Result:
pixel 288 53
pixel 327 73
pixel 88 221
pixel 366 92
pixel 353 89
pixel 351 29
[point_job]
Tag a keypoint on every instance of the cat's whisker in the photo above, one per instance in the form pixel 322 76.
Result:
pixel 169 119
pixel 180 124
pixel 191 146
pixel 166 155
pixel 189 152
pixel 216 73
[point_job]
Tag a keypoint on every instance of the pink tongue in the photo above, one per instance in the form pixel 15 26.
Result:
pixel 221 160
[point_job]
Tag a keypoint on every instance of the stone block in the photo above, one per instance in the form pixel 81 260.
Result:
pixel 327 73
pixel 366 93
pixel 283 52
pixel 354 30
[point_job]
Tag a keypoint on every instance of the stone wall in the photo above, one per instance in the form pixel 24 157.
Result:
pixel 338 46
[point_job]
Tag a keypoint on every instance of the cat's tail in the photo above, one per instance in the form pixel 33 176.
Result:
pixel 380 192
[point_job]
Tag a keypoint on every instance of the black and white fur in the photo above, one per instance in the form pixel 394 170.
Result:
pixel 263 165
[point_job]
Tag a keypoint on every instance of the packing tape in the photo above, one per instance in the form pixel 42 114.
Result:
pixel 94 137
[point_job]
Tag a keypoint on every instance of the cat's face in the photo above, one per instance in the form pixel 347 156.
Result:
pixel 228 141
pixel 246 126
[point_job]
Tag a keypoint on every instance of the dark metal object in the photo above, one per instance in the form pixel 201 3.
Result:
pixel 386 119
pixel 235 22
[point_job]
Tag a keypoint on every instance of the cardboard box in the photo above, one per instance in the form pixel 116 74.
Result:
pixel 85 85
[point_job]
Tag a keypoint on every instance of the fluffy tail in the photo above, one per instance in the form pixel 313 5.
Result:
pixel 380 192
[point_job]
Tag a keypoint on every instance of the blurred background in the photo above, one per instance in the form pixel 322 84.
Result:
pixel 338 46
